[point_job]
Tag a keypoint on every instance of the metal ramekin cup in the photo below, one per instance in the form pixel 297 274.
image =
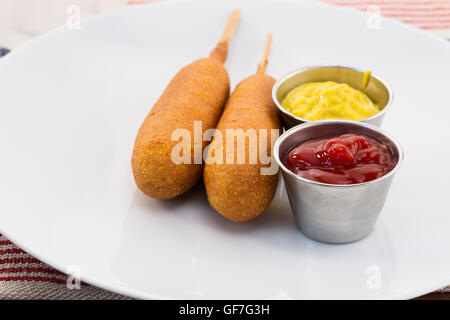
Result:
pixel 335 213
pixel 377 89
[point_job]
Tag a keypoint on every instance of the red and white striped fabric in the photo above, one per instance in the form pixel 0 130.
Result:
pixel 24 277
pixel 433 15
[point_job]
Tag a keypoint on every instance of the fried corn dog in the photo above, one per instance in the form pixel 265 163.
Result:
pixel 198 92
pixel 239 192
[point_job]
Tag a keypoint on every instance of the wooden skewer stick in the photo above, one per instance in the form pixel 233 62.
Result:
pixel 220 52
pixel 231 26
pixel 265 58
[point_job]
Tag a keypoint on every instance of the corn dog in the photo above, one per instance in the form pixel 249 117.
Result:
pixel 240 192
pixel 198 92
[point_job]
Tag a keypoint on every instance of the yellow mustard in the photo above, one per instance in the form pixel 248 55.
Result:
pixel 329 100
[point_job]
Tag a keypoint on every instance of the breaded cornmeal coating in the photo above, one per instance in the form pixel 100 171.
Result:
pixel 198 92
pixel 238 191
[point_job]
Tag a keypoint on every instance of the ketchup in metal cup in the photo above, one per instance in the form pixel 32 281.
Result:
pixel 345 159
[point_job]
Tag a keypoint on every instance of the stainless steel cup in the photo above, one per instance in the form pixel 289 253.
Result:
pixel 377 89
pixel 335 213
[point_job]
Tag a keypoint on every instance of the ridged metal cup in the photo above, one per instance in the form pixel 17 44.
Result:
pixel 328 212
pixel 377 89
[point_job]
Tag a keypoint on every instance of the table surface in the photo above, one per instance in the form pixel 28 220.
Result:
pixel 435 296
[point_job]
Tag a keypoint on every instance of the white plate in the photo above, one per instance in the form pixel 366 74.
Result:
pixel 71 103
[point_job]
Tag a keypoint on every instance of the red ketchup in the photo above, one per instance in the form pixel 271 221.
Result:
pixel 346 159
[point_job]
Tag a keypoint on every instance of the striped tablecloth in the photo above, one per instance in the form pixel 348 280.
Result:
pixel 24 277
pixel 432 15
